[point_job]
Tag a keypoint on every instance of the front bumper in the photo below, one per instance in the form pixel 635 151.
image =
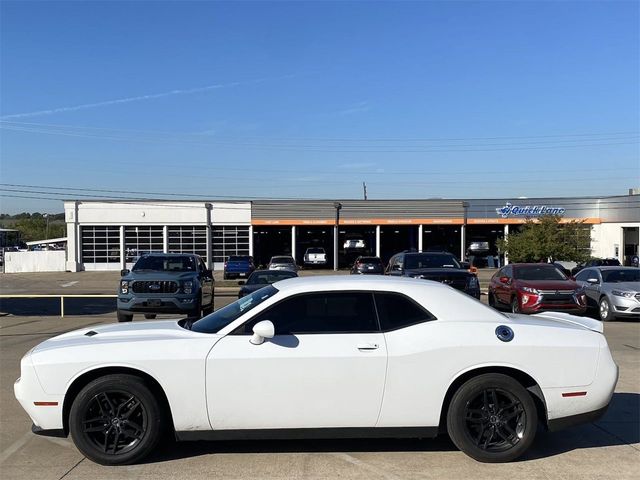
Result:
pixel 45 410
pixel 571 308
pixel 623 306
pixel 157 304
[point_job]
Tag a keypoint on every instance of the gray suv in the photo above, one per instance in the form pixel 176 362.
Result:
pixel 613 291
pixel 166 283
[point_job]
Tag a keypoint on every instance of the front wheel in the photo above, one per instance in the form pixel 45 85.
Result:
pixel 124 317
pixel 605 310
pixel 492 418
pixel 116 420
pixel 149 316
pixel 515 306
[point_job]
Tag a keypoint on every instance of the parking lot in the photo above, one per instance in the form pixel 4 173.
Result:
pixel 610 448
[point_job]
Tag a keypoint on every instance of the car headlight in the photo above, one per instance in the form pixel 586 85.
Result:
pixel 620 293
pixel 472 282
pixel 124 286
pixel 530 290
pixel 187 287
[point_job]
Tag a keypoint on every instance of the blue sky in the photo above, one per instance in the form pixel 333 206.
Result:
pixel 308 100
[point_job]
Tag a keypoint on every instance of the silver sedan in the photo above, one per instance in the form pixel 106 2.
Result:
pixel 614 291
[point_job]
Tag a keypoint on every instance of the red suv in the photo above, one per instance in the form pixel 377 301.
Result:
pixel 535 287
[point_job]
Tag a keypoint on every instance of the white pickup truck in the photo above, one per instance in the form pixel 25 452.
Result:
pixel 315 256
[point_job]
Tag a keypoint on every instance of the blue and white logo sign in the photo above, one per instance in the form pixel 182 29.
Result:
pixel 528 210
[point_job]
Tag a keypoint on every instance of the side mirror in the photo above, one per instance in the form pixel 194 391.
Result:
pixel 241 282
pixel 262 330
pixel 504 280
pixel 124 271
pixel 593 281
pixel 465 265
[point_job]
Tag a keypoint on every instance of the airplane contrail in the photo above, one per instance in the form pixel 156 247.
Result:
pixel 137 99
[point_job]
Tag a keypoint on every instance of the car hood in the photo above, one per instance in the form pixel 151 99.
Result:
pixel 548 284
pixel 159 276
pixel 557 319
pixel 118 332
pixel 624 286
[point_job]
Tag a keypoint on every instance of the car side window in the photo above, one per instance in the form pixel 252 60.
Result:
pixel 319 313
pixel 397 311
pixel 508 271
pixel 583 275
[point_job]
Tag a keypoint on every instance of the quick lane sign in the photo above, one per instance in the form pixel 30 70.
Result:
pixel 528 210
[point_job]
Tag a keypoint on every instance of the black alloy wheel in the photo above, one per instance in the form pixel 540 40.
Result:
pixel 116 420
pixel 124 317
pixel 492 418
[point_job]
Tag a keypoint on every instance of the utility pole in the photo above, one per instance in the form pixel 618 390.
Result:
pixel 364 187
pixel 337 206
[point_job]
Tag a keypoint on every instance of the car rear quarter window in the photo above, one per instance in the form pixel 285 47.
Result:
pixel 398 311
pixel 319 313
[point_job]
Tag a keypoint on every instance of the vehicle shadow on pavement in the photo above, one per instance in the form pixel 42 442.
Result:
pixel 51 306
pixel 177 450
pixel 619 426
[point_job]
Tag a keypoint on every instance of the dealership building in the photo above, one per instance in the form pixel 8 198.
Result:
pixel 108 235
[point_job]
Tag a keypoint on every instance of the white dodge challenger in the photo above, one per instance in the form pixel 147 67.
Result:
pixel 328 357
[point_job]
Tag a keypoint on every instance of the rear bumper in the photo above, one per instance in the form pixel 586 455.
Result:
pixel 573 420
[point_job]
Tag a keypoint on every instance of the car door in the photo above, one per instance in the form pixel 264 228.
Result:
pixel 503 290
pixel 325 367
pixel 591 289
pixel 206 281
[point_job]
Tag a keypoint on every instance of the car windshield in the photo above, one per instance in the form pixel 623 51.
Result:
pixel 219 319
pixel 622 275
pixel 372 260
pixel 315 250
pixel 268 277
pixel 282 260
pixel 165 263
pixel 237 258
pixel 430 261
pixel 538 273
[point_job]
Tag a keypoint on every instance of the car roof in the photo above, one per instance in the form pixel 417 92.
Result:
pixel 160 254
pixel 351 282
pixel 541 264
pixel 604 268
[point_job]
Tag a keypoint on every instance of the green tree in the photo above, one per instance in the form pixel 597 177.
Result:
pixel 547 238
pixel 35 228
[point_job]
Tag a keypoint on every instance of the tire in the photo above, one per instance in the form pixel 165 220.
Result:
pixel 106 407
pixel 503 424
pixel 124 317
pixel 209 308
pixel 492 300
pixel 149 316
pixel 515 306
pixel 605 310
pixel 196 312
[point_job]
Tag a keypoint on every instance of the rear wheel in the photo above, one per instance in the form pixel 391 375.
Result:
pixel 605 310
pixel 492 418
pixel 149 316
pixel 116 420
pixel 124 317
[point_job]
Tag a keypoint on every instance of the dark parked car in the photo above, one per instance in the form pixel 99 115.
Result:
pixel 596 262
pixel 535 287
pixel 238 266
pixel 441 267
pixel 165 283
pixel 367 266
pixel 260 278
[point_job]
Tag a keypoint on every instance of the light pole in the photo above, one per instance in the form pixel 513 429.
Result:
pixel 46 215
pixel 337 206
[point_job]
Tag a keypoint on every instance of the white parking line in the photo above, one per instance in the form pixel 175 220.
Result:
pixel 69 284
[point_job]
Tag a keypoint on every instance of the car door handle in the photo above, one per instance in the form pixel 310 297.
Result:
pixel 368 346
